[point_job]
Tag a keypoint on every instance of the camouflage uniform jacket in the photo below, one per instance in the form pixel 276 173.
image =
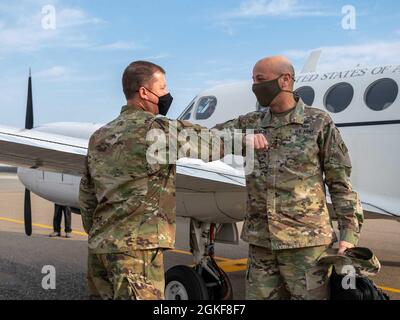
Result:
pixel 126 202
pixel 286 203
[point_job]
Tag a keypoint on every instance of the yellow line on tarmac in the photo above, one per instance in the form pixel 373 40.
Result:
pixel 233 265
pixel 43 226
pixel 228 265
pixel 38 225
pixel 389 289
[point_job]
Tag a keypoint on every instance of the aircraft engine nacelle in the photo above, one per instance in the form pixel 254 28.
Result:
pixel 221 207
pixel 55 187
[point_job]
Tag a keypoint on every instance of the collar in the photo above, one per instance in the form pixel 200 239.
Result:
pixel 131 109
pixel 296 116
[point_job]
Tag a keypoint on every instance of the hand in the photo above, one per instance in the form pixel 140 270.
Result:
pixel 256 141
pixel 343 246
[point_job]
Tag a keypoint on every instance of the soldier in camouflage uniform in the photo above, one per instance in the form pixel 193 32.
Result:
pixel 288 225
pixel 128 203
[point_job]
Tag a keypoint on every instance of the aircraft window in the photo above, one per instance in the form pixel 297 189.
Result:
pixel 381 94
pixel 188 113
pixel 339 97
pixel 206 108
pixel 307 94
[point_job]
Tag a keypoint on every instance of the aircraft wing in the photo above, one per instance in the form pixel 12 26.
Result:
pixel 195 175
pixel 62 154
pixel 377 206
pixel 44 151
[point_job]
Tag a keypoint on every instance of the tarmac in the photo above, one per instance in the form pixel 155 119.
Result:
pixel 22 258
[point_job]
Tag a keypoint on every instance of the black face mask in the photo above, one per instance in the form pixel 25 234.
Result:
pixel 266 92
pixel 164 103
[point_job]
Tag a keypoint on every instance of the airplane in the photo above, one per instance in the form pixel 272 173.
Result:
pixel 363 101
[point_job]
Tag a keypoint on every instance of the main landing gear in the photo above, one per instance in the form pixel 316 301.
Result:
pixel 206 280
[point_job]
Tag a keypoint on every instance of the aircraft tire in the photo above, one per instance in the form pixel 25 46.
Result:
pixel 184 283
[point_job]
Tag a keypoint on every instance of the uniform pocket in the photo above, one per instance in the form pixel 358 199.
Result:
pixel 142 289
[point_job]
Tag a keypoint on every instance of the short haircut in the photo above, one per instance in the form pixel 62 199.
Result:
pixel 284 67
pixel 138 74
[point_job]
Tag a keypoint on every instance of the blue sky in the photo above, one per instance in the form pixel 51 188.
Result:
pixel 77 67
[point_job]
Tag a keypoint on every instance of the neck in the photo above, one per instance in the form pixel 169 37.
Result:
pixel 136 103
pixel 285 103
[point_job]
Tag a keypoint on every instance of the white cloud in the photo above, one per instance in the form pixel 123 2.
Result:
pixel 215 83
pixel 68 74
pixel 258 8
pixel 297 54
pixel 250 9
pixel 119 45
pixel 22 28
pixel 71 31
pixel 70 17
pixel 158 56
pixel 24 32
pixel 350 56
pixel 22 39
pixel 55 72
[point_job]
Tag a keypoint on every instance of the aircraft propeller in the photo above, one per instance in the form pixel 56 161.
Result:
pixel 28 126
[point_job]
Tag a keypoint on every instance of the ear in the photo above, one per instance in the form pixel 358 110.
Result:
pixel 286 79
pixel 142 93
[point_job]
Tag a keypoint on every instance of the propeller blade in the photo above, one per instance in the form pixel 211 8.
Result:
pixel 28 213
pixel 28 126
pixel 29 105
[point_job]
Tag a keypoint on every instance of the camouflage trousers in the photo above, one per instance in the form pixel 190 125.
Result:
pixel 286 274
pixel 137 275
